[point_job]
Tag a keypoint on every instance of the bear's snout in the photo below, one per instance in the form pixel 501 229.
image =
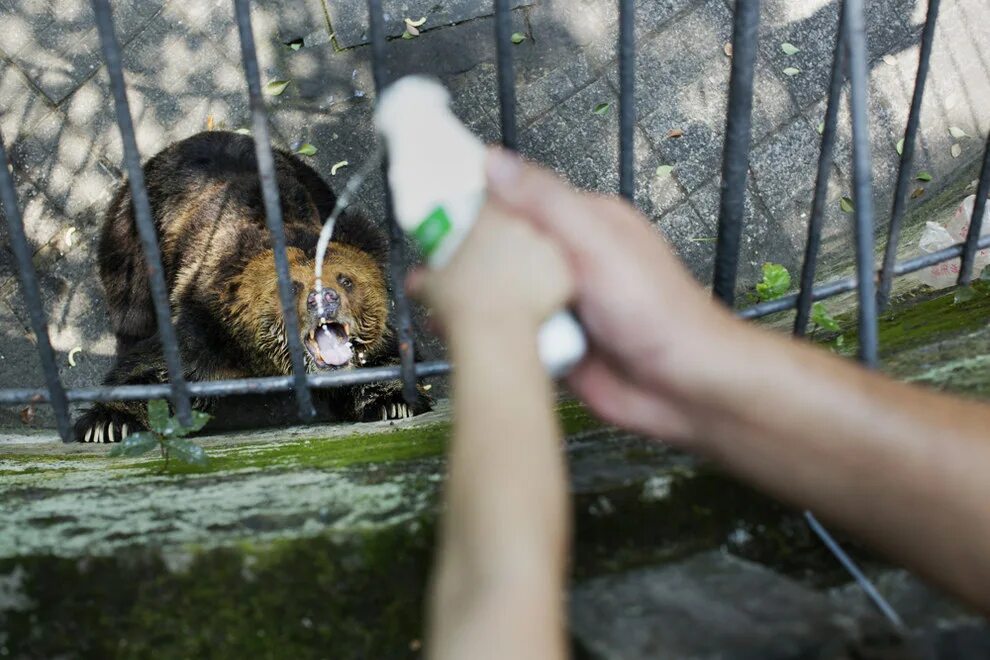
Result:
pixel 331 302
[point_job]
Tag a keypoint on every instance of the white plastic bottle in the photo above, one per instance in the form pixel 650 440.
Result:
pixel 437 176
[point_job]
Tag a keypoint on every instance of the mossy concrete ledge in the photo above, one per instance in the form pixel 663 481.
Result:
pixel 317 541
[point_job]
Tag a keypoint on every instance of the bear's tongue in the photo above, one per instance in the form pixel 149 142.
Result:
pixel 334 347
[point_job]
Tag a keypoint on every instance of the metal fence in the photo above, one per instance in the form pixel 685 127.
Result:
pixel 872 286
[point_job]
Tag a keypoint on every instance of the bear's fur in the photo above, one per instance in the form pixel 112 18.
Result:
pixel 219 268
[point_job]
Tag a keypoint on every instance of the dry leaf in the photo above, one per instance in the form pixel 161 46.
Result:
pixel 846 204
pixel 792 71
pixel 664 171
pixel 408 35
pixel 918 192
pixel 209 122
pixel 337 166
pixel 956 151
pixel 789 49
pixel 675 133
pixel 72 355
pixel 900 146
pixel 68 236
pixel 890 59
pixel 412 30
pixel 411 23
pixel 820 128
pixel 957 132
pixel 727 49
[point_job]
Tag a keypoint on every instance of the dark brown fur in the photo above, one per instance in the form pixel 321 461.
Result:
pixel 219 268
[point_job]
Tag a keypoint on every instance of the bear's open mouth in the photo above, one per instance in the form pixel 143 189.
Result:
pixel 329 344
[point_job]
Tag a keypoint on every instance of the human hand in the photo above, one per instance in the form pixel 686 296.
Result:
pixel 653 331
pixel 503 274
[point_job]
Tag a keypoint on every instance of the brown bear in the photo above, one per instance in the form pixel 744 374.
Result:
pixel 219 267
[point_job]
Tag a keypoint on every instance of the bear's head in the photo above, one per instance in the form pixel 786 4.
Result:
pixel 341 326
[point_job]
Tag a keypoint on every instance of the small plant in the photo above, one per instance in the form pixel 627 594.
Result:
pixel 776 282
pixel 822 319
pixel 168 435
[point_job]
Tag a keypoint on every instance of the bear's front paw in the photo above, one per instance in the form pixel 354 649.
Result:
pixel 105 425
pixel 393 406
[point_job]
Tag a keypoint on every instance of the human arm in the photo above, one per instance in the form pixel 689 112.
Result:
pixel 903 468
pixel 499 579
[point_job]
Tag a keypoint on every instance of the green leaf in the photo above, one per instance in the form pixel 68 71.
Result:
pixel 158 416
pixel 276 87
pixel 306 149
pixel 135 444
pixel 821 318
pixel 789 49
pixel 518 38
pixel 602 108
pixel 407 35
pixel 664 171
pixel 956 151
pixel 924 176
pixel 295 45
pixel 776 282
pixel 846 204
pixel 186 451
pixel 820 127
pixel 792 71
pixel 900 146
pixel 957 132
pixel 840 341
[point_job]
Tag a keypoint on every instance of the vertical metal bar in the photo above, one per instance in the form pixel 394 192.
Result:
pixel 142 212
pixel 273 209
pixel 976 223
pixel 847 562
pixel 907 157
pixel 862 182
pixel 821 183
pixel 397 240
pixel 32 297
pixel 735 156
pixel 627 97
pixel 506 73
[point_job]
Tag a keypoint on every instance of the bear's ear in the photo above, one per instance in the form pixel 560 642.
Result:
pixel 357 230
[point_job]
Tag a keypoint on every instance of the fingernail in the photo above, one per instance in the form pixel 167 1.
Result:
pixel 503 168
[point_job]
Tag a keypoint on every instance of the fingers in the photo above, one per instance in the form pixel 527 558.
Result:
pixel 617 401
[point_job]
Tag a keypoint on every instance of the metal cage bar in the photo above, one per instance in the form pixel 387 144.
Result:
pixel 142 212
pixel 825 158
pixel 506 74
pixel 976 222
pixel 735 155
pixel 907 157
pixel 855 26
pixel 627 98
pixel 32 298
pixel 273 209
pixel 397 240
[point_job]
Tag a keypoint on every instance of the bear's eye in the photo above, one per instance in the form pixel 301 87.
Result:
pixel 345 282
pixel 297 287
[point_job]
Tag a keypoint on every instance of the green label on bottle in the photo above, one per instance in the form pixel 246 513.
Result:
pixel 430 233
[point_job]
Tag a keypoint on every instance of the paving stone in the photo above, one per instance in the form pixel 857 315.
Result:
pixel 764 238
pixel 41 223
pixel 811 26
pixel 349 18
pixel 693 238
pixel 710 606
pixel 59 49
pixel 682 84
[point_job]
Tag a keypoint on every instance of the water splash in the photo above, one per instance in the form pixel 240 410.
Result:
pixel 343 201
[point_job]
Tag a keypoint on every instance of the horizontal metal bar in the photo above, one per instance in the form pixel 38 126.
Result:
pixel 847 284
pixel 220 388
pixel 142 212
